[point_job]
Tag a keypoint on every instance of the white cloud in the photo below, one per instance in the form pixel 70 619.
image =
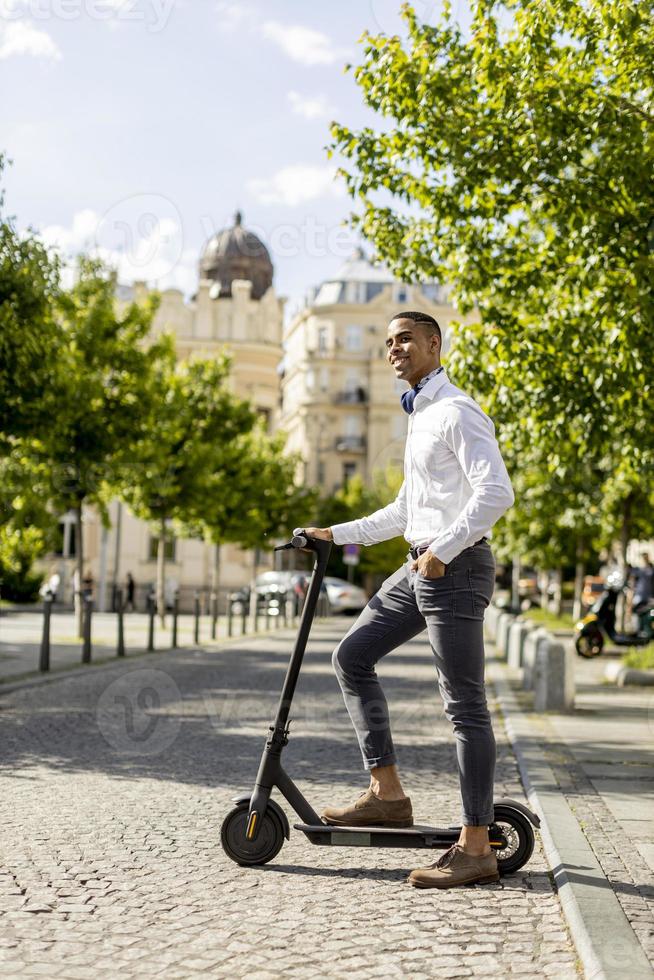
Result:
pixel 232 15
pixel 19 37
pixel 151 251
pixel 295 184
pixel 303 44
pixel 311 107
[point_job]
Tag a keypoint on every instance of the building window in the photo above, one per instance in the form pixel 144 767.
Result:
pixel 169 548
pixel 353 340
pixel 349 469
pixel 401 294
pixel 310 379
pixel 322 339
pixel 352 426
pixel 324 379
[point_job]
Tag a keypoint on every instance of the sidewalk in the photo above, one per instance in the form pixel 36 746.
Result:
pixel 20 638
pixel 591 773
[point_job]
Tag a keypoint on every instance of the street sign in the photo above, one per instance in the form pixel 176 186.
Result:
pixel 351 554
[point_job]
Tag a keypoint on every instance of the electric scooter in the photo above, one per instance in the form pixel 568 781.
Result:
pixel 254 831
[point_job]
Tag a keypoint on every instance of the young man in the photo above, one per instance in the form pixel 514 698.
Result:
pixel 455 488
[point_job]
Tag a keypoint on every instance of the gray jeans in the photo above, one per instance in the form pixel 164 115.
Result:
pixel 451 608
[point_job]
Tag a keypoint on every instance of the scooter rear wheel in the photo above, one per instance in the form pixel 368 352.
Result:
pixel 589 644
pixel 519 835
pixel 235 844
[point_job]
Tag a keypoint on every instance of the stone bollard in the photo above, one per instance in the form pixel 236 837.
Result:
pixel 515 646
pixel 504 623
pixel 532 643
pixel 554 681
pixel 490 621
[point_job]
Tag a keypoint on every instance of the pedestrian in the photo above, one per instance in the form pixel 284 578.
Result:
pixel 642 584
pixel 130 588
pixel 455 488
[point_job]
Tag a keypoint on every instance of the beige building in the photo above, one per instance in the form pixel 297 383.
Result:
pixel 340 399
pixel 235 308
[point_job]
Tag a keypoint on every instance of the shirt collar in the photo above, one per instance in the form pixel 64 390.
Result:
pixel 433 386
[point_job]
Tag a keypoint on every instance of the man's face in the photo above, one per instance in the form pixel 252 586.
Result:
pixel 411 350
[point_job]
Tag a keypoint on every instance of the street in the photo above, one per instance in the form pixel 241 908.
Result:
pixel 113 787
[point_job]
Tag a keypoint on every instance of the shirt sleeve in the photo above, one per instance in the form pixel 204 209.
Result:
pixel 388 522
pixel 470 434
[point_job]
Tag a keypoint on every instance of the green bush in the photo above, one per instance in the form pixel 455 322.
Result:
pixel 640 658
pixel 19 549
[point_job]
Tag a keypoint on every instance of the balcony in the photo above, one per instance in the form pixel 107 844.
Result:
pixel 351 396
pixel 350 444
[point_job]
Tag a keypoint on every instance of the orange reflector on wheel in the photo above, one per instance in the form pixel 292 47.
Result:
pixel 251 825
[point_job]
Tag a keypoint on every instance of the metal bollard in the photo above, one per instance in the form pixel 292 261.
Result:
pixel 151 613
pixel 267 614
pixel 44 658
pixel 175 618
pixel 230 615
pixel 214 615
pixel 284 607
pixel 196 614
pixel 244 619
pixel 256 616
pixel 120 646
pixel 86 630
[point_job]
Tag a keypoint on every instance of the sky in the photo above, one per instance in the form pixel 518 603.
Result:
pixel 138 127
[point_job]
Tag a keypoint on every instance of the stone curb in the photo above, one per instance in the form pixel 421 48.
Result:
pixel 605 942
pixel 623 676
pixel 110 663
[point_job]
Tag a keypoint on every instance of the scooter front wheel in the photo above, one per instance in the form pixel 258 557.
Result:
pixel 518 833
pixel 264 848
pixel 589 644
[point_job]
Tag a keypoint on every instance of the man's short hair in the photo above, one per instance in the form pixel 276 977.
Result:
pixel 430 323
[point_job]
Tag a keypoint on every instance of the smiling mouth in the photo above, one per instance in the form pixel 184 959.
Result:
pixel 398 360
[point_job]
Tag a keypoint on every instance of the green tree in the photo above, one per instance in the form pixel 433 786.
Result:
pixel 251 497
pixel 186 455
pixel 515 162
pixel 354 500
pixel 100 396
pixel 30 336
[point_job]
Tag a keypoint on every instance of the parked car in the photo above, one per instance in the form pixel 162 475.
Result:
pixel 345 597
pixel 269 586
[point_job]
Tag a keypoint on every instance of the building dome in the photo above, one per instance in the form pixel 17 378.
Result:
pixel 235 253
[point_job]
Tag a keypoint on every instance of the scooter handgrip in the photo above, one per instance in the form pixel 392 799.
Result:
pixel 299 541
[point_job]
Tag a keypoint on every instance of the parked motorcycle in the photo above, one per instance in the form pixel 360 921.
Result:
pixel 599 624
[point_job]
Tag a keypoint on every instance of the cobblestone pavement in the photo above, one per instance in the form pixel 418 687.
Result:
pixel 112 790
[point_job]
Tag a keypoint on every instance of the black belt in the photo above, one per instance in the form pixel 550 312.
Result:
pixel 416 552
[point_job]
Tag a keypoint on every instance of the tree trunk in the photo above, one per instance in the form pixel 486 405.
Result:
pixel 580 571
pixel 558 592
pixel 515 583
pixel 543 578
pixel 161 568
pixel 625 537
pixel 79 605
pixel 215 573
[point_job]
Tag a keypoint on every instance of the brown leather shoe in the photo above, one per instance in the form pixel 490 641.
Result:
pixel 456 867
pixel 370 811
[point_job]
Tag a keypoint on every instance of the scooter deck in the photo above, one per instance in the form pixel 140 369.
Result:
pixel 417 836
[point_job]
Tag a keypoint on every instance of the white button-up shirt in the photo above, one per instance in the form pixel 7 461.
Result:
pixel 455 482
